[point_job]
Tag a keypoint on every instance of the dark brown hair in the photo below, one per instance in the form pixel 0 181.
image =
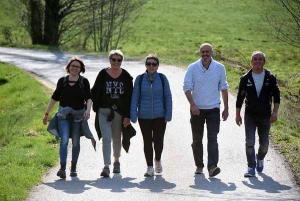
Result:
pixel 74 58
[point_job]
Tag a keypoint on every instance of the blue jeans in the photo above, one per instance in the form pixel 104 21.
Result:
pixel 67 127
pixel 263 128
pixel 212 119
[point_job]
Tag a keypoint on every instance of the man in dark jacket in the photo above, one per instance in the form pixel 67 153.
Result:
pixel 259 88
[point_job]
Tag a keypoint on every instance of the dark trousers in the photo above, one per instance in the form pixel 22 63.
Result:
pixel 153 131
pixel 212 119
pixel 263 128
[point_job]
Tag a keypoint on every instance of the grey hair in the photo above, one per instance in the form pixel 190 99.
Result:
pixel 258 52
pixel 116 52
pixel 206 44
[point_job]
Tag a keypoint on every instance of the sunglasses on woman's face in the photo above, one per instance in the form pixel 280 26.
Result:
pixel 154 64
pixel 114 60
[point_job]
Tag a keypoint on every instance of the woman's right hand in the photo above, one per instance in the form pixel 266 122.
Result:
pixel 45 119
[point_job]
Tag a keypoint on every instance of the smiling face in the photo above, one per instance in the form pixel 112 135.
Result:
pixel 206 53
pixel 75 68
pixel 115 61
pixel 258 61
pixel 151 65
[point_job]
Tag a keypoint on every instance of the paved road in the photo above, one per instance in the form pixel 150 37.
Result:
pixel 177 182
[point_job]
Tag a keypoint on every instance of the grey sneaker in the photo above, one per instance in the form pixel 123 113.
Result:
pixel 214 170
pixel 150 172
pixel 199 170
pixel 105 172
pixel 116 167
pixel 158 167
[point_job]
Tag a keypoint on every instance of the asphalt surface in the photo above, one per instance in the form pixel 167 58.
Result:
pixel 177 181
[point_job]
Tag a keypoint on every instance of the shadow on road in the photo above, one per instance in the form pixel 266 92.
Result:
pixel 156 184
pixel 267 184
pixel 213 185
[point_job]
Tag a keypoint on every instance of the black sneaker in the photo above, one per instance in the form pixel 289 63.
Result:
pixel 117 168
pixel 105 172
pixel 214 170
pixel 61 173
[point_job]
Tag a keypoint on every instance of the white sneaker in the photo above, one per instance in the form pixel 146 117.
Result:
pixel 150 172
pixel 158 167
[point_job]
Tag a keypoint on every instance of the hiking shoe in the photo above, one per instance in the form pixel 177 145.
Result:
pixel 199 170
pixel 116 167
pixel 259 165
pixel 158 167
pixel 105 172
pixel 150 172
pixel 214 170
pixel 61 173
pixel 250 172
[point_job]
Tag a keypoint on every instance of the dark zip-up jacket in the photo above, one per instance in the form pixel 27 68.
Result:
pixel 259 107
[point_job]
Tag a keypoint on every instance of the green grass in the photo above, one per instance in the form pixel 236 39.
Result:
pixel 26 149
pixel 174 30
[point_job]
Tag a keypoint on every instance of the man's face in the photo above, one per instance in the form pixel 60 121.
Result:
pixel 206 53
pixel 258 61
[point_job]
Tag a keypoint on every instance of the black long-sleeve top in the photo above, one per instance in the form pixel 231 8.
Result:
pixel 72 96
pixel 258 106
pixel 114 93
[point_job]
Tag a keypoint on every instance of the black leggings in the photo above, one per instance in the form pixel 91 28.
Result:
pixel 153 131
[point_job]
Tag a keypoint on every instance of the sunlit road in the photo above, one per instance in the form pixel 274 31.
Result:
pixel 177 182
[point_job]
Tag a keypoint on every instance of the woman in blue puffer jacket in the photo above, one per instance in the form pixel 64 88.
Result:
pixel 151 105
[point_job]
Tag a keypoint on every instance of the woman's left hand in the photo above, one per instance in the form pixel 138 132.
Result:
pixel 86 115
pixel 126 122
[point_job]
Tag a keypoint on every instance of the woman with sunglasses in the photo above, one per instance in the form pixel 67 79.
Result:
pixel 111 101
pixel 75 101
pixel 151 105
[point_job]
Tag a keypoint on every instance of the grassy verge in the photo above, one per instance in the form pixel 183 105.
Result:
pixel 27 151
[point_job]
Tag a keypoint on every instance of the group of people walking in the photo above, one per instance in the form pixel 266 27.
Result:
pixel 117 102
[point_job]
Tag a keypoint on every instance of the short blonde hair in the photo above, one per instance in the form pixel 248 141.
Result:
pixel 116 52
pixel 258 52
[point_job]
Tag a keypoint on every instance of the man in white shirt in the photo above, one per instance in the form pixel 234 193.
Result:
pixel 203 82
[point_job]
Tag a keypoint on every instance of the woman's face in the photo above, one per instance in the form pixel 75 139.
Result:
pixel 115 61
pixel 151 65
pixel 75 68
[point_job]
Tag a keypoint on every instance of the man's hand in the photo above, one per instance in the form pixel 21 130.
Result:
pixel 195 110
pixel 225 114
pixel 238 120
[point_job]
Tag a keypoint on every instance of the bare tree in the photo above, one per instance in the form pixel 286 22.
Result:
pixel 111 20
pixel 284 18
pixel 55 22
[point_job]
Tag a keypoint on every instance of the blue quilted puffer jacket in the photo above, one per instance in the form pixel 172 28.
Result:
pixel 151 100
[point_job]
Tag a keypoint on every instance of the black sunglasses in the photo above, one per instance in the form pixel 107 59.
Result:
pixel 154 64
pixel 114 60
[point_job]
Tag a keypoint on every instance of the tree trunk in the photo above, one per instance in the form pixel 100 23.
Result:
pixel 36 21
pixel 52 21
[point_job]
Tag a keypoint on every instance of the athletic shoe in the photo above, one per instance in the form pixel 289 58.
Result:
pixel 250 172
pixel 150 172
pixel 105 172
pixel 199 170
pixel 259 165
pixel 158 167
pixel 214 170
pixel 117 168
